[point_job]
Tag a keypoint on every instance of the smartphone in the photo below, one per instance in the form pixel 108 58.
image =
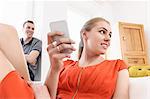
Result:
pixel 60 26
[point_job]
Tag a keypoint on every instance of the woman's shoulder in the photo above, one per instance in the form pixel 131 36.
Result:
pixel 69 62
pixel 119 64
pixel 116 60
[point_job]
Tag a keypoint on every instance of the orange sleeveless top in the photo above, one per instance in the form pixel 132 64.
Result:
pixel 92 82
pixel 15 87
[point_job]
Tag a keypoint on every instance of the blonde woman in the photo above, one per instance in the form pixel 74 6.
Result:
pixel 91 77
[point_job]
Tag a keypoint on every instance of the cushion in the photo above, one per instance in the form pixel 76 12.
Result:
pixel 139 71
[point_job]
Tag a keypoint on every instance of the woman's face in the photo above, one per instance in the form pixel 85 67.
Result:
pixel 98 38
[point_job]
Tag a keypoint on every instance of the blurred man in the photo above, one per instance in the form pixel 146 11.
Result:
pixel 32 49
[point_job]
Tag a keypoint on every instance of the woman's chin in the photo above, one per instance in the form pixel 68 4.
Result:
pixel 101 53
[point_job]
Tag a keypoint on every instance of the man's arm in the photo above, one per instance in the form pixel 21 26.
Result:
pixel 31 58
pixel 35 52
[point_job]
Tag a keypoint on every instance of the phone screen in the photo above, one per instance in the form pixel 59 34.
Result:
pixel 60 26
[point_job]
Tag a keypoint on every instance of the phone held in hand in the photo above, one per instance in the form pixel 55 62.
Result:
pixel 60 26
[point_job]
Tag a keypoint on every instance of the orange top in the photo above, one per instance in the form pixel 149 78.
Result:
pixel 92 82
pixel 14 87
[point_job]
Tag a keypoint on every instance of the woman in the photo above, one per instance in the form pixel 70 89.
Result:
pixel 91 77
pixel 13 70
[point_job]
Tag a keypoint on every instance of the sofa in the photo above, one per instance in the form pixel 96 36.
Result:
pixel 139 82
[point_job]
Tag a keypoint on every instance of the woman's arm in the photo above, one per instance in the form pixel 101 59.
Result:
pixel 52 83
pixel 56 57
pixel 122 87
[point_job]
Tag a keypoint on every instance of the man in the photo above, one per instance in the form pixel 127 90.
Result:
pixel 32 49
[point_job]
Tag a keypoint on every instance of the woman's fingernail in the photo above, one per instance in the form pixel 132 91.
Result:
pixel 61 33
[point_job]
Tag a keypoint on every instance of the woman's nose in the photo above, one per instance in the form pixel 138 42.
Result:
pixel 107 37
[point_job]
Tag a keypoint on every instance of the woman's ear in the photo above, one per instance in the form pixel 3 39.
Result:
pixel 85 34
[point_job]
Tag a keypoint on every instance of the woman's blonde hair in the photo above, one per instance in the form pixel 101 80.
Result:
pixel 87 27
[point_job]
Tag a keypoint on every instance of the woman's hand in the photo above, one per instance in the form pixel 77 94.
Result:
pixel 40 91
pixel 56 50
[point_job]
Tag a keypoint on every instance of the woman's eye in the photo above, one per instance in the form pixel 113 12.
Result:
pixel 110 34
pixel 102 31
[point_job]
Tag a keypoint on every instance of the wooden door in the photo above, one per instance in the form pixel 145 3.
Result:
pixel 132 43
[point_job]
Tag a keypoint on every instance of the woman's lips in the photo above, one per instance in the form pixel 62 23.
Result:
pixel 104 45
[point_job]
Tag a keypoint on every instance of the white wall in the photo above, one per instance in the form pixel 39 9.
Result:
pixel 15 13
pixel 147 30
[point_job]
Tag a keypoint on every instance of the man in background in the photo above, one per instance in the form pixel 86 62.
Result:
pixel 32 49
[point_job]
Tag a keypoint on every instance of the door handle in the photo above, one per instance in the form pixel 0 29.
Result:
pixel 124 38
